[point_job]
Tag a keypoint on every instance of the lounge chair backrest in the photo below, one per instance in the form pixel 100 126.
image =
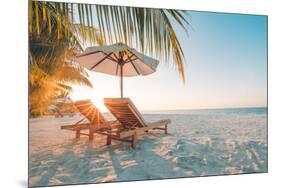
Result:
pixel 125 112
pixel 92 113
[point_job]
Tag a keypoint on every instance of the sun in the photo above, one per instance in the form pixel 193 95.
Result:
pixel 82 93
pixel 98 102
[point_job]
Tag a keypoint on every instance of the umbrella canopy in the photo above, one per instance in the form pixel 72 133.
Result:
pixel 117 59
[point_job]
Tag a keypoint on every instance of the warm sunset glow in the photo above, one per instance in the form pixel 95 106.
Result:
pixel 220 74
pixel 94 96
pixel 185 94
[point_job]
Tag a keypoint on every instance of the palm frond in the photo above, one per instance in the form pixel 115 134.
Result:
pixel 55 35
pixel 150 30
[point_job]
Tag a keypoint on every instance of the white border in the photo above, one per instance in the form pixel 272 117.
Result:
pixel 13 100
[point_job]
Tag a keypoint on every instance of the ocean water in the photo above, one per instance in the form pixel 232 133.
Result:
pixel 222 111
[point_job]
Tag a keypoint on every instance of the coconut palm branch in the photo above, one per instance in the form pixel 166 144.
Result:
pixel 52 43
pixel 151 31
pixel 54 21
pixel 55 28
pixel 48 81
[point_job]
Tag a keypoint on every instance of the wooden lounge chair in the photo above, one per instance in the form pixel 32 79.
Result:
pixel 131 121
pixel 96 121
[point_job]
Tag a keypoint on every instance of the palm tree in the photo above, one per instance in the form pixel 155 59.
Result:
pixel 52 43
pixel 57 30
pixel 151 31
pixel 51 78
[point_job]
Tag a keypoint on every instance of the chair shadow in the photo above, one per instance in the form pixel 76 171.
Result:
pixel 144 163
pixel 73 165
pixel 79 162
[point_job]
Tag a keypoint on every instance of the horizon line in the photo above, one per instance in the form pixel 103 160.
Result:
pixel 212 108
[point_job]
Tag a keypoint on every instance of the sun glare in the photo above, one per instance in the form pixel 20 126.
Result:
pixel 98 102
pixel 82 93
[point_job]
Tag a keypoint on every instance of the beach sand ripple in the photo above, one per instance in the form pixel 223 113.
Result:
pixel 197 145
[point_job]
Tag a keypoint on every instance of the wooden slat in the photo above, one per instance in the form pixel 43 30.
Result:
pixel 129 117
pixel 94 116
pixel 126 116
pixel 137 116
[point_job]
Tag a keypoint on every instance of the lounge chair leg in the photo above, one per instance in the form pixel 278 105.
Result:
pixel 108 140
pixel 91 134
pixel 166 129
pixel 134 140
pixel 77 134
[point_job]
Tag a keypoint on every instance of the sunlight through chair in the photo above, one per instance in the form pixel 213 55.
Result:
pixel 96 121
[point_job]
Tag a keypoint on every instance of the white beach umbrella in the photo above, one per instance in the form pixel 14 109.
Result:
pixel 117 59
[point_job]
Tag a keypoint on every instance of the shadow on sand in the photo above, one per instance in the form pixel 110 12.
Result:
pixel 157 157
pixel 79 162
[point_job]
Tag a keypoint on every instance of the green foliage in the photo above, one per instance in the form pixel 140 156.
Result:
pixel 54 37
pixel 150 30
pixel 52 45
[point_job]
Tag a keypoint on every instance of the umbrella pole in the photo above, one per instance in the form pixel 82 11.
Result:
pixel 121 81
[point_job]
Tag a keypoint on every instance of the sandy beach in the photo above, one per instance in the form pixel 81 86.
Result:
pixel 198 144
pixel 163 60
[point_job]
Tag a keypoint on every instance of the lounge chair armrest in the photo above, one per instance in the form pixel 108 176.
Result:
pixel 67 126
pixel 160 122
pixel 76 126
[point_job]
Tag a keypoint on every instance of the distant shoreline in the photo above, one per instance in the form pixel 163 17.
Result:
pixel 203 109
pixel 180 111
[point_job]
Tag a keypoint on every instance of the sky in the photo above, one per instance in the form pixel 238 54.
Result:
pixel 226 67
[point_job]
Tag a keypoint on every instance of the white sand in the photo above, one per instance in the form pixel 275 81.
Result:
pixel 196 146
